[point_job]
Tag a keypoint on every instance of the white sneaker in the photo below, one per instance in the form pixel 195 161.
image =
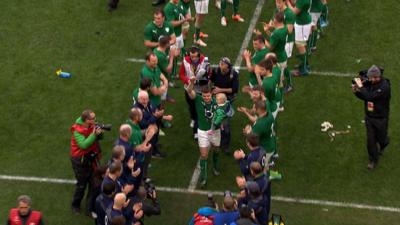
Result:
pixel 230 1
pixel 223 21
pixel 201 43
pixel 161 133
pixel 191 123
pixel 218 4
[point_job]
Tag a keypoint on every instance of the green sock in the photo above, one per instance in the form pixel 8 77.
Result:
pixel 315 38
pixel 197 33
pixel 324 13
pixel 223 7
pixel 235 7
pixel 215 159
pixel 203 169
pixel 288 77
pixel 174 69
pixel 303 64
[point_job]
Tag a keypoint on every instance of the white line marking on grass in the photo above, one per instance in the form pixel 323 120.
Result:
pixel 195 177
pixel 247 38
pixel 318 73
pixel 334 74
pixel 220 193
pixel 38 179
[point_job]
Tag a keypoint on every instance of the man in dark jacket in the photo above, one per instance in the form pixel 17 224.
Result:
pixel 225 79
pixel 375 92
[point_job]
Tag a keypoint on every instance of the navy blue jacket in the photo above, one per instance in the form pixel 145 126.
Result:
pixel 257 155
pixel 148 117
pixel 102 203
pixel 223 218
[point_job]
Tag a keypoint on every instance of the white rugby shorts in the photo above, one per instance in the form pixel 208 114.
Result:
pixel 302 32
pixel 201 6
pixel 179 42
pixel 289 49
pixel 205 139
pixel 315 18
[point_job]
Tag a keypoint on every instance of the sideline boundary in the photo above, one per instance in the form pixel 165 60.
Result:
pixel 220 193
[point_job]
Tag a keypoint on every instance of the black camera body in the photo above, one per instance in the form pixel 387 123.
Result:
pixel 150 188
pixel 364 77
pixel 106 127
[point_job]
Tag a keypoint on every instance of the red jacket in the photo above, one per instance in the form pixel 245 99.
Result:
pixel 184 75
pixel 34 218
pixel 76 151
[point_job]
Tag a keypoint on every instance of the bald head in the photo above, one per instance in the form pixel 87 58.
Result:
pixel 143 98
pixel 119 200
pixel 135 115
pixel 220 98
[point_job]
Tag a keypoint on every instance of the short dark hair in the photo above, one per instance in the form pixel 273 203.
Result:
pixel 266 64
pixel 272 57
pixel 253 139
pixel 258 88
pixel 108 188
pixel 117 151
pixel 159 11
pixel 259 38
pixel 115 167
pixel 118 220
pixel 163 41
pixel 25 199
pixel 86 114
pixel 145 83
pixel 149 54
pixel 245 212
pixel 195 49
pixel 279 17
pixel 260 105
pixel 256 167
pixel 205 89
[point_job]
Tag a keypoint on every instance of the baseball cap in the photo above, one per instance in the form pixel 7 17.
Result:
pixel 226 60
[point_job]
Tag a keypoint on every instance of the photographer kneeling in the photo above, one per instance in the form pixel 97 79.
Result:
pixel 149 207
pixel 374 90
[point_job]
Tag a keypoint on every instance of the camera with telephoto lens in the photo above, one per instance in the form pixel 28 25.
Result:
pixel 363 75
pixel 227 193
pixel 150 188
pixel 106 127
pixel 210 201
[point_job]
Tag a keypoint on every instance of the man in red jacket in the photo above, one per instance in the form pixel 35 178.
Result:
pixel 84 154
pixel 196 65
pixel 23 215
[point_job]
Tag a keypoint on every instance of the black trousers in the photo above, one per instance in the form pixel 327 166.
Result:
pixel 377 137
pixel 113 4
pixel 226 135
pixel 192 111
pixel 83 171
